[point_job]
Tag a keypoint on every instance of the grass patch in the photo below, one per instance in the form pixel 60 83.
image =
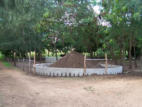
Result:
pixel 7 64
pixel 1 56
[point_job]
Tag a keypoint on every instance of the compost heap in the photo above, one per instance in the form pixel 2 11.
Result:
pixel 74 60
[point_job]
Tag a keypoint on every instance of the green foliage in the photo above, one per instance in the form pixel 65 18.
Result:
pixel 17 27
pixel 73 24
pixel 63 25
pixel 1 56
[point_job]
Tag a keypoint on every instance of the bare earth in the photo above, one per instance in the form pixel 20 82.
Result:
pixel 18 89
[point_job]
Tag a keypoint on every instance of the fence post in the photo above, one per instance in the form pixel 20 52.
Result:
pixel 29 61
pixel 106 64
pixel 85 64
pixel 23 64
pixel 34 62
pixel 17 62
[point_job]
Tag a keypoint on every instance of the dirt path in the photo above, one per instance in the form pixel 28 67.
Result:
pixel 17 89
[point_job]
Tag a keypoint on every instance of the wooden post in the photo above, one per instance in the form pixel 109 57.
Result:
pixel 85 64
pixel 23 64
pixel 34 62
pixel 29 61
pixel 106 64
pixel 14 59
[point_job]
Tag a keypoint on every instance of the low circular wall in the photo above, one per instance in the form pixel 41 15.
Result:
pixel 44 69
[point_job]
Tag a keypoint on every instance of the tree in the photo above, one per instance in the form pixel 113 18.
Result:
pixel 124 18
pixel 73 24
pixel 17 26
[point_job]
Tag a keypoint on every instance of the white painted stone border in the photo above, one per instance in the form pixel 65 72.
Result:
pixel 43 69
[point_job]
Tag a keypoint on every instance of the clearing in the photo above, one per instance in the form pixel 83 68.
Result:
pixel 19 89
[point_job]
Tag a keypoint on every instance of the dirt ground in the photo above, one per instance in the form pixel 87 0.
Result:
pixel 19 89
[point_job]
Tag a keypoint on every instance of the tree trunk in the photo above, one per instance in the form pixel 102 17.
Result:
pixel 135 56
pixel 91 54
pixel 29 61
pixel 56 55
pixel 48 53
pixel 55 50
pixel 14 58
pixel 113 56
pixel 130 56
pixel 122 58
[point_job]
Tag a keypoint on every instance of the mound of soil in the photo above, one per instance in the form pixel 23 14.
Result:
pixel 71 60
pixel 75 60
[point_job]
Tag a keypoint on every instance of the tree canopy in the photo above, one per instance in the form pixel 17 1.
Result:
pixel 63 25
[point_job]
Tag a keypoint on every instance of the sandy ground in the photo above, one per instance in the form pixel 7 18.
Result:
pixel 18 89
